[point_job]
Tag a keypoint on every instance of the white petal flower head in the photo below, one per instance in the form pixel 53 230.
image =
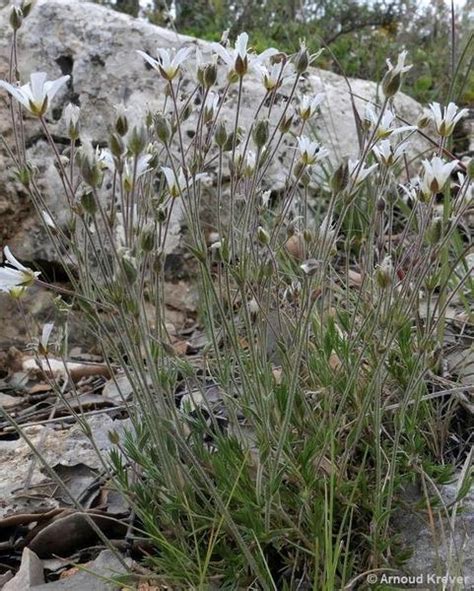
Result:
pixel 37 94
pixel 309 106
pixel 45 336
pixel 238 59
pixel 400 67
pixel 177 183
pixel 386 154
pixel 274 76
pixel 393 78
pixel 310 152
pixel 132 169
pixel 211 106
pixel 384 125
pixel 169 61
pixel 436 175
pixel 15 276
pixel 446 118
pixel 358 173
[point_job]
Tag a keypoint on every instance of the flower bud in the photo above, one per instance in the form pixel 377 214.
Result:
pixel 470 169
pixel 113 437
pixel 162 128
pixel 26 7
pixel 16 18
pixel 129 270
pixel 263 236
pixel 261 133
pixel 88 202
pixel 147 239
pixel 209 75
pixel 391 83
pixel 121 123
pixel 384 273
pixel 340 177
pixel 161 215
pixel 241 66
pixel 187 111
pixel 90 172
pixel 116 145
pixel 286 123
pixel 434 231
pixel 137 141
pixel 302 60
pixel 220 135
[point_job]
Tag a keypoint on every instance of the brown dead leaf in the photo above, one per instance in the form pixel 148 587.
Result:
pixel 295 246
pixel 39 388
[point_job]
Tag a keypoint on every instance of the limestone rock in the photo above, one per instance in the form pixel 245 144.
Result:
pixel 97 47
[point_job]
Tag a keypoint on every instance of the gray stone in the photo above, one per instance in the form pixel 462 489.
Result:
pixel 30 573
pixel 105 566
pixel 448 548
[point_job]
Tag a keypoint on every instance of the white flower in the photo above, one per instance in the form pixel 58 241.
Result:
pixel 400 68
pixel 238 59
pixel 359 173
pixel 169 61
pixel 326 229
pixel 309 106
pixel 71 114
pixel 386 154
pixel 445 118
pixel 177 183
pixel 310 266
pixel 48 220
pixel 436 174
pixel 45 334
pixel 211 105
pixel 142 167
pixel 71 118
pixel 385 127
pixel 310 152
pixel 274 76
pixel 265 197
pixel 16 276
pixel 36 96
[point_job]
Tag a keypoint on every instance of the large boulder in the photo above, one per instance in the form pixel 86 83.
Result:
pixel 96 47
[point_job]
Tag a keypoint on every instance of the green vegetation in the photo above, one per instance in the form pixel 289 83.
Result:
pixel 276 456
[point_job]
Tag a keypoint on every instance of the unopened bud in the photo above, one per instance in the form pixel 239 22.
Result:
pixel 116 145
pixel 162 128
pixel 147 239
pixel 137 141
pixel 209 75
pixel 221 134
pixel 260 133
pixel 391 83
pixel 263 236
pixel 88 202
pixel 286 123
pixel 302 60
pixel 434 231
pixel 340 177
pixel 26 7
pixel 16 18
pixel 121 124
pixel 470 168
